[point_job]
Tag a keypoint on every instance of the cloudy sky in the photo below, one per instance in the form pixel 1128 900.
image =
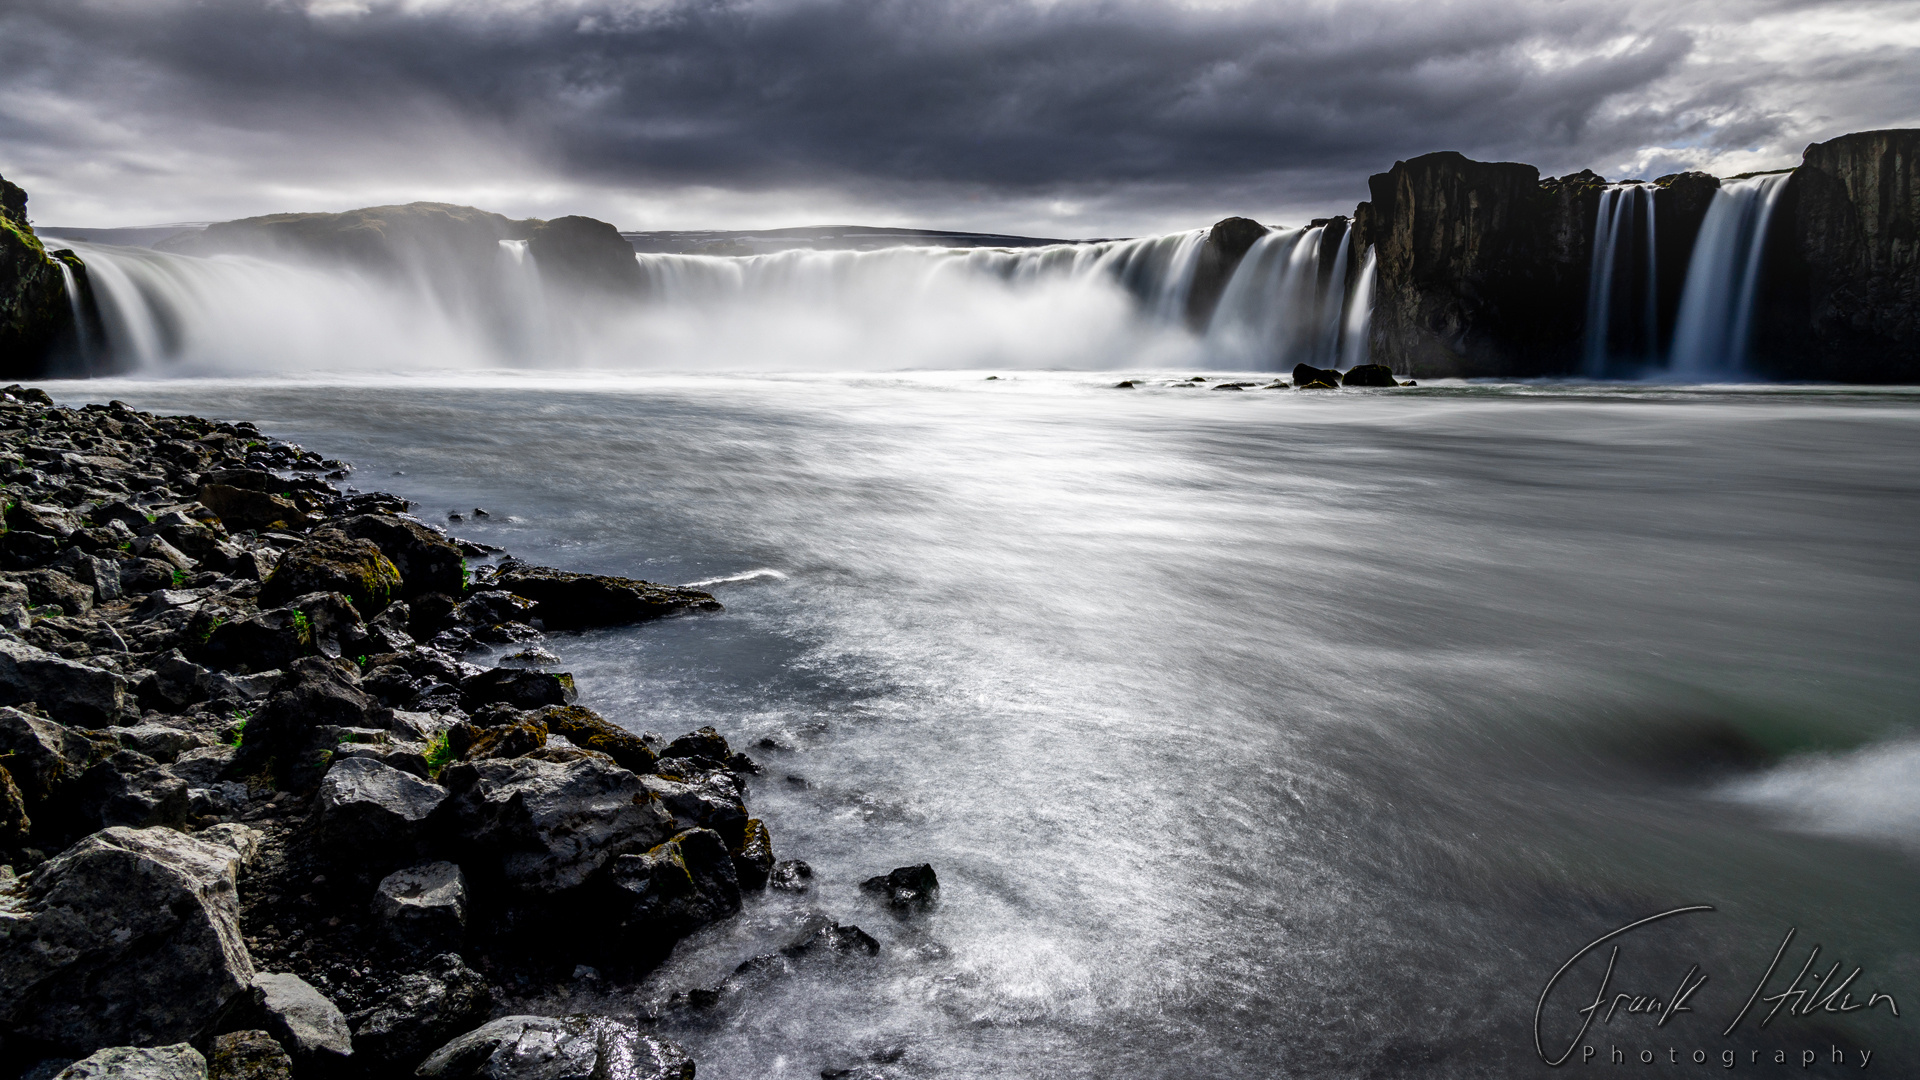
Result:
pixel 1048 117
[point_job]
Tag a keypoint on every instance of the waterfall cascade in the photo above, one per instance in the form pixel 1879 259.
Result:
pixel 1710 337
pixel 1354 346
pixel 1093 305
pixel 1623 320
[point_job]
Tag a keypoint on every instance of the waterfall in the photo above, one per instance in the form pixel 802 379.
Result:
pixel 1278 309
pixel 1355 349
pixel 1611 274
pixel 76 306
pixel 1723 277
pixel 1093 305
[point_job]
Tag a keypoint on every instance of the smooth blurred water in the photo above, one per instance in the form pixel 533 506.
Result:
pixel 1251 734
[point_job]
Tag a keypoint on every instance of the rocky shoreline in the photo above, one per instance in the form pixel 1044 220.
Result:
pixel 259 817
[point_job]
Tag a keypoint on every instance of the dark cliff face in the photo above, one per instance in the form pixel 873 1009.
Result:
pixel 1480 269
pixel 1679 208
pixel 584 254
pixel 34 310
pixel 1227 243
pixel 1846 302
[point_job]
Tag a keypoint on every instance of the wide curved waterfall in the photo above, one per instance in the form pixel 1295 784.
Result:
pixel 1108 304
pixel 1712 333
pixel 1623 321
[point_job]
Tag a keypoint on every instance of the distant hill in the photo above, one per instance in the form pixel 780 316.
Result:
pixel 133 236
pixel 818 238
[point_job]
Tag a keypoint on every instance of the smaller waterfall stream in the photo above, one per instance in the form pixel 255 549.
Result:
pixel 1715 323
pixel 1617 327
pixel 1354 346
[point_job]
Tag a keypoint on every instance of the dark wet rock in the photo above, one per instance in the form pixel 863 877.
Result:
pixel 69 692
pixel 370 814
pixel 44 756
pixel 1306 374
pixel 517 687
pixel 419 1011
pixel 833 939
pixel 243 509
pixel 248 1055
pixel 517 738
pixel 177 1062
pixel 711 801
pixel 178 682
pixel 705 743
pixel 332 622
pixel 423 908
pixel 429 614
pixel 265 641
pixel 531 657
pixel 331 561
pixel 545 827
pixel 1369 375
pixel 569 601
pixel 791 875
pixel 129 789
pixel 35 310
pixel 291 736
pixel 753 859
pixel 308 1025
pixel 590 731
pixel 906 888
pixel 1226 244
pixel 558 1048
pixel 428 562
pixel 131 936
pixel 671 891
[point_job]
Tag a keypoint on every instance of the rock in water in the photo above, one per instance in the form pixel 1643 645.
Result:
pixel 309 1026
pixel 569 601
pixel 545 827
pixel 753 862
pixel 673 890
pixel 130 936
pixel 1369 375
pixel 910 888
pixel 248 1055
pixel 1305 375
pixel 177 1062
pixel 558 1048
pixel 419 1012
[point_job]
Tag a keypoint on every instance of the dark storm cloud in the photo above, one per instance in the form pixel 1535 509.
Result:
pixel 1117 103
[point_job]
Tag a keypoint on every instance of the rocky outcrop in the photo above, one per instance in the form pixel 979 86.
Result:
pixel 1848 308
pixel 1227 243
pixel 569 601
pixel 583 255
pixel 1479 268
pixel 34 308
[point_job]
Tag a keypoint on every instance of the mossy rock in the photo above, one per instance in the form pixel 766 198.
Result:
pixel 333 562
pixel 589 730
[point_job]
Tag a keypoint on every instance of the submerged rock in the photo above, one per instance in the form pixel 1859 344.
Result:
pixel 1369 375
pixel 907 888
pixel 570 601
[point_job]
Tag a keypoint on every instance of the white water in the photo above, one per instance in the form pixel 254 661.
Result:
pixel 1095 306
pixel 1354 347
pixel 1711 335
pixel 1614 282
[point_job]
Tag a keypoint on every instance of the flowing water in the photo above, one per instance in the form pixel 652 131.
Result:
pixel 1715 322
pixel 1251 734
pixel 1623 320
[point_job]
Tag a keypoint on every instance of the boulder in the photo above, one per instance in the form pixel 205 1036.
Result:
pixel 310 1027
pixel 334 624
pixel 248 1055
pixel 832 940
pixel 906 888
pixel 753 859
pixel 131 936
pixel 671 891
pixel 558 1048
pixel 44 756
pixel 261 642
pixel 705 744
pixel 177 1062
pixel 1306 375
pixel 545 827
pixel 161 742
pixel 518 687
pixel 243 509
pixel 427 561
pixel 292 735
pixel 569 601
pixel 588 730
pixel 14 605
pixel 420 1011
pixel 331 561
pixel 52 588
pixel 372 814
pixel 471 742
pixel 128 788
pixel 423 907
pixel 791 875
pixel 1369 375
pixel 711 801
pixel 69 692
pixel 178 682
